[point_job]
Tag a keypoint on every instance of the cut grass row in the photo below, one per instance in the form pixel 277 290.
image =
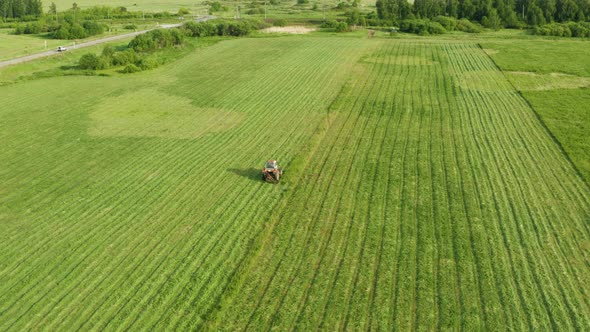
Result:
pixel 474 192
pixel 428 201
pixel 137 243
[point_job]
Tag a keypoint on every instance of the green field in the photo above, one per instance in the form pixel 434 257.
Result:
pixel 421 192
pixel 557 88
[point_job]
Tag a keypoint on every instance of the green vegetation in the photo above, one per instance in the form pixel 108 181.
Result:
pixel 570 29
pixel 492 14
pixel 558 90
pixel 23 9
pixel 421 191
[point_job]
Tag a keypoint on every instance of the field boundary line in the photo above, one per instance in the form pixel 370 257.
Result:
pixel 543 124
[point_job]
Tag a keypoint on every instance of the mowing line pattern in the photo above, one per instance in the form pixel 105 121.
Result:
pixel 421 193
pixel 440 203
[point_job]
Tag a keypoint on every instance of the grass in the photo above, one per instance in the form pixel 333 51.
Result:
pixel 556 88
pixel 417 195
pixel 14 46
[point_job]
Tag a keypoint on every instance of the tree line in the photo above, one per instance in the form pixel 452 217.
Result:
pixel 506 13
pixel 20 8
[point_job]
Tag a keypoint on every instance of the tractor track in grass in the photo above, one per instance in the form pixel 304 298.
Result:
pixel 279 264
pixel 402 199
pixel 383 212
pixel 339 205
pixel 308 236
pixel 339 268
pixel 526 205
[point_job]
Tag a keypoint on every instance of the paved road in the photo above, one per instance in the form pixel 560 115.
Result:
pixel 95 42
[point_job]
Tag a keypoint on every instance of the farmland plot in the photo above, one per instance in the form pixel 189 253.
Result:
pixel 420 192
pixel 108 222
pixel 435 200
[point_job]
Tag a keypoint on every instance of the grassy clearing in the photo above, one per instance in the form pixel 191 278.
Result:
pixel 567 115
pixel 413 198
pixel 554 76
pixel 541 55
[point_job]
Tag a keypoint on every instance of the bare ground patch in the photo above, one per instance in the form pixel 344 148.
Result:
pixel 295 29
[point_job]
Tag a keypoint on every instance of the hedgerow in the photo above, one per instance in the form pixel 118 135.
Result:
pixel 569 29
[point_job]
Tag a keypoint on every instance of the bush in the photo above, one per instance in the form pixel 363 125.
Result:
pixel 330 24
pixel 92 28
pixel 108 51
pixel 569 29
pixel 126 57
pixel 183 11
pixel 130 27
pixel 341 27
pixel 422 27
pixel 215 6
pixel 89 61
pixel 279 22
pixel 130 68
pixel 466 26
pixel 147 64
pixel 449 23
pixel 156 39
pixel 255 11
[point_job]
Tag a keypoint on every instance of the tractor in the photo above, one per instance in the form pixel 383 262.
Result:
pixel 271 171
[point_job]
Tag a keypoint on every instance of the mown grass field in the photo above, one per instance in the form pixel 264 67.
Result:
pixel 421 192
pixel 557 88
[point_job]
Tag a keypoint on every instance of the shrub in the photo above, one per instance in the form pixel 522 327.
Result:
pixel 147 63
pixel 89 61
pixel 330 24
pixel 449 23
pixel 156 39
pixel 569 29
pixel 215 6
pixel 131 68
pixel 255 11
pixel 183 11
pixel 467 26
pixel 279 22
pixel 130 27
pixel 108 51
pixel 341 27
pixel 92 28
pixel 126 57
pixel 62 32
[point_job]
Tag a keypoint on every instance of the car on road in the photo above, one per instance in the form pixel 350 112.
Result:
pixel 61 49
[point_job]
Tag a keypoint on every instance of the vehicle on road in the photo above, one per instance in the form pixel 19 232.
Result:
pixel 61 49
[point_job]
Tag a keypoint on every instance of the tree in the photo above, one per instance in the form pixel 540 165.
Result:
pixel 492 20
pixel 567 10
pixel 52 9
pixel 535 15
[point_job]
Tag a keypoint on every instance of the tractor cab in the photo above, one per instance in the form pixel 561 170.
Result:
pixel 271 171
pixel 271 164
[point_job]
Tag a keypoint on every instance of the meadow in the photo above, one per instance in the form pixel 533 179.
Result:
pixel 558 90
pixel 421 192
